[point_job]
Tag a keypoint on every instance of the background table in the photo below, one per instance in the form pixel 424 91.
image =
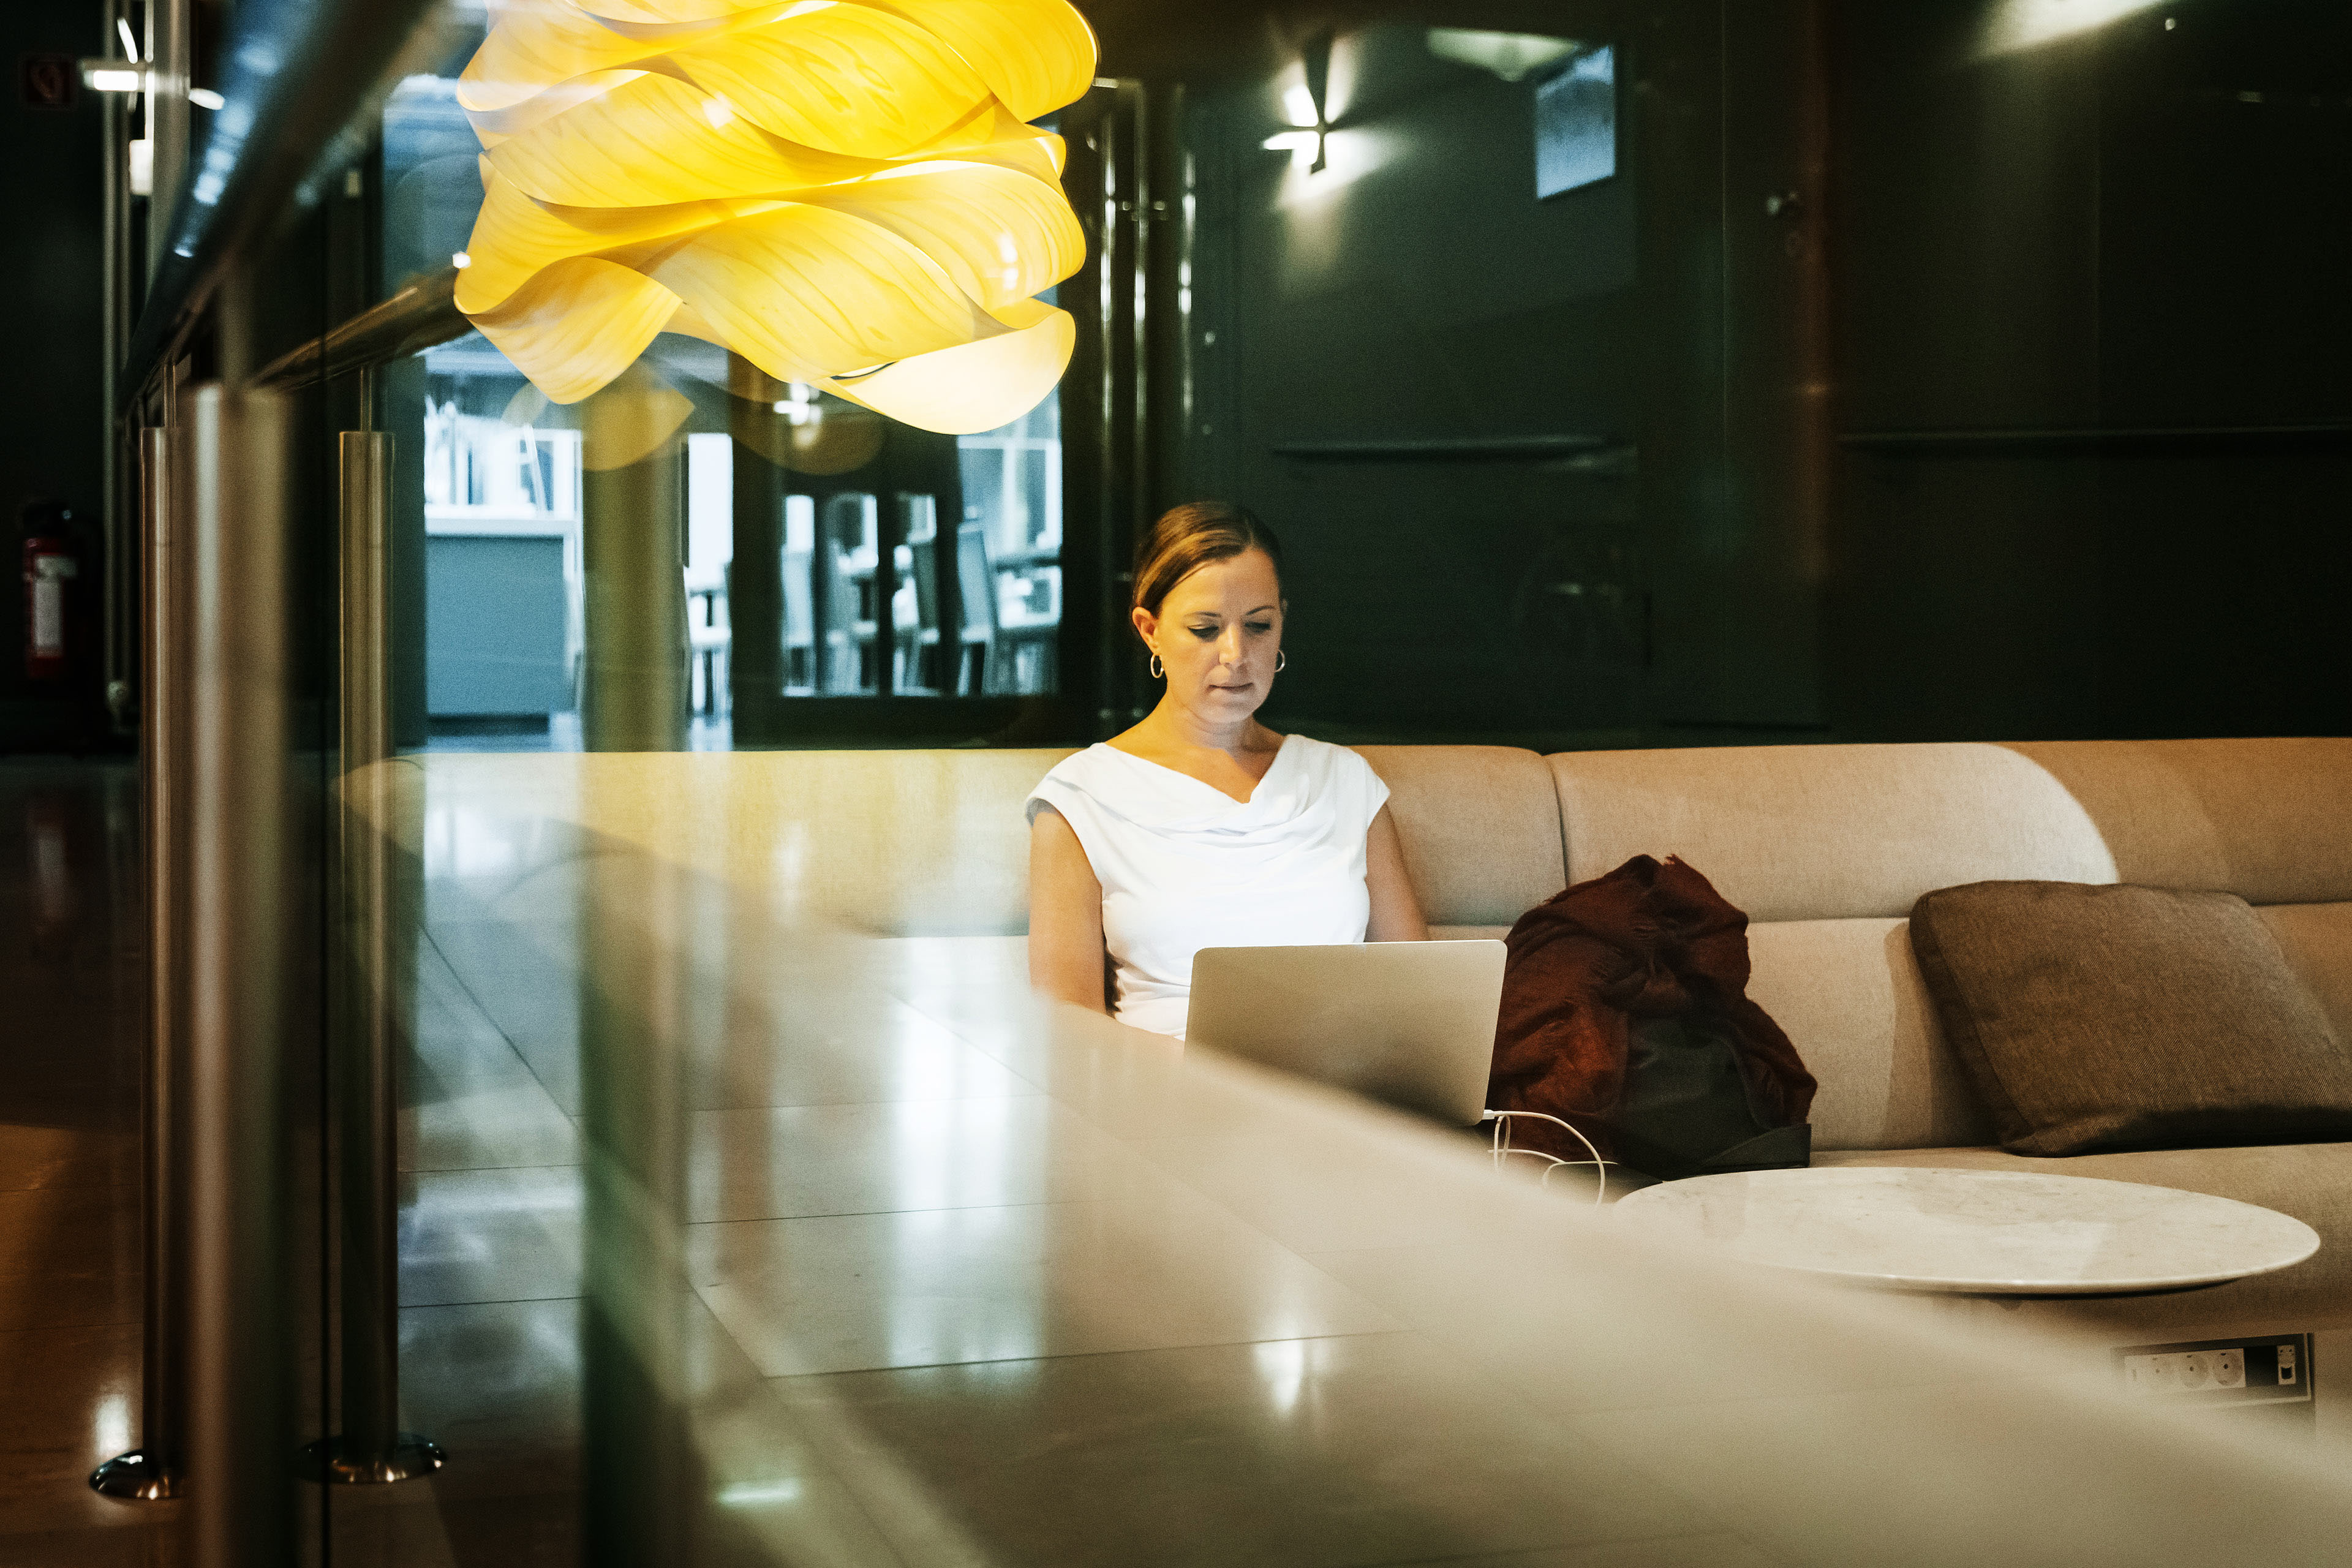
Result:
pixel 1977 1232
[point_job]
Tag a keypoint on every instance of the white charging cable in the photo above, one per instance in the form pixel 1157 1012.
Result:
pixel 1501 1149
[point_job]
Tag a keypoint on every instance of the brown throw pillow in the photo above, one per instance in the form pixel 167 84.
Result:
pixel 2120 1018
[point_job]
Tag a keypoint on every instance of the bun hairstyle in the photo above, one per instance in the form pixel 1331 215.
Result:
pixel 1188 537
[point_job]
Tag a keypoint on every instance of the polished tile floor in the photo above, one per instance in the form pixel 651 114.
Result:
pixel 70 945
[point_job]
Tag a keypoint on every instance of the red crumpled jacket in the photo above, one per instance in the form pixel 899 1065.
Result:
pixel 1645 941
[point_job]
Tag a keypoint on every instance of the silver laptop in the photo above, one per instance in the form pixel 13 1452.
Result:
pixel 1410 1024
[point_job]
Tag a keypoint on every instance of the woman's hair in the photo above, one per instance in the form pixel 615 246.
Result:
pixel 1188 537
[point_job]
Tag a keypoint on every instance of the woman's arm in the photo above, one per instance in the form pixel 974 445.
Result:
pixel 1396 913
pixel 1066 934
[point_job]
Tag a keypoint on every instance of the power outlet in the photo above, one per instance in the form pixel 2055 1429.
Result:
pixel 2268 1368
pixel 2185 1371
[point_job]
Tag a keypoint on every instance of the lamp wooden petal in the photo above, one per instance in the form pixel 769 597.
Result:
pixel 822 188
pixel 656 141
pixel 1036 55
pixel 1001 236
pixel 804 292
pixel 578 324
pixel 848 79
pixel 974 387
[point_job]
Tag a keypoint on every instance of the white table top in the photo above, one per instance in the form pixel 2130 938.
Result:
pixel 1977 1232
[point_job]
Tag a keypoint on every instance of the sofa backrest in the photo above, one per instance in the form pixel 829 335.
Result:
pixel 2269 820
pixel 1811 833
pixel 1480 827
pixel 1828 846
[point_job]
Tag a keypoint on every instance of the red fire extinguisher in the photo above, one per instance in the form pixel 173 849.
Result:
pixel 50 563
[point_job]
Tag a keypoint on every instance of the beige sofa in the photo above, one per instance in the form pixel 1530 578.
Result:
pixel 1826 848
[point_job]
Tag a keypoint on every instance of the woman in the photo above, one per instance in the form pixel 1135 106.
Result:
pixel 1200 827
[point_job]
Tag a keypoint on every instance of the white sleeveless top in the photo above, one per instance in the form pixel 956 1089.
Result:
pixel 1185 866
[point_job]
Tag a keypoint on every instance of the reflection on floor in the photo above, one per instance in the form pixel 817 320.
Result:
pixel 70 941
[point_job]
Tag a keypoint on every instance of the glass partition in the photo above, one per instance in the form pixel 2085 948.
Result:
pixel 669 1163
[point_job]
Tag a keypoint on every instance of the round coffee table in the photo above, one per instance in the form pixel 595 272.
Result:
pixel 1996 1233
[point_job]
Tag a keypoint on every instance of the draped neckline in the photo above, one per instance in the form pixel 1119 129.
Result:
pixel 1177 799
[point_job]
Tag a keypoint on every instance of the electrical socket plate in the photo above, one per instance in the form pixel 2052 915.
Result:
pixel 2262 1369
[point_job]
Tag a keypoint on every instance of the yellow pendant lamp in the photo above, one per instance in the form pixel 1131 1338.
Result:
pixel 846 193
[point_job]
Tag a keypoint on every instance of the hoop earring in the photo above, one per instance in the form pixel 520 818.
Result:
pixel 1281 658
pixel 1159 671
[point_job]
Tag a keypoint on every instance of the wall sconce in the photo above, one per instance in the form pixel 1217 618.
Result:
pixel 117 76
pixel 113 76
pixel 1307 105
pixel 128 75
pixel 848 196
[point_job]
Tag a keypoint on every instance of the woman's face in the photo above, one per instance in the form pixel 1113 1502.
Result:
pixel 1218 633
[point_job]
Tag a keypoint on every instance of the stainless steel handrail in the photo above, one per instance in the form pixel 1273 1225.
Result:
pixel 298 76
pixel 156 1469
pixel 418 317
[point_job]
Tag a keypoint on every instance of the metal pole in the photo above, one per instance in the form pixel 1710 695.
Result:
pixel 113 121
pixel 632 694
pixel 755 583
pixel 641 1479
pixel 241 832
pixel 371 1448
pixel 153 1471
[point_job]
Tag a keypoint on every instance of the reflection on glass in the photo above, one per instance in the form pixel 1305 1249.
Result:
pixel 710 551
pixel 1576 124
pixel 975 613
pixel 1008 554
pixel 1282 1371
pixel 502 549
pixel 432 178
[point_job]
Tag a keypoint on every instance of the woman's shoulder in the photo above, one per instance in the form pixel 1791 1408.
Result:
pixel 1080 766
pixel 1342 762
pixel 1337 777
pixel 1079 774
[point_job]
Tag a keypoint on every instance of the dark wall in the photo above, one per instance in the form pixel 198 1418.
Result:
pixel 2138 232
pixel 1417 291
pixel 1664 583
pixel 2027 417
pixel 52 422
